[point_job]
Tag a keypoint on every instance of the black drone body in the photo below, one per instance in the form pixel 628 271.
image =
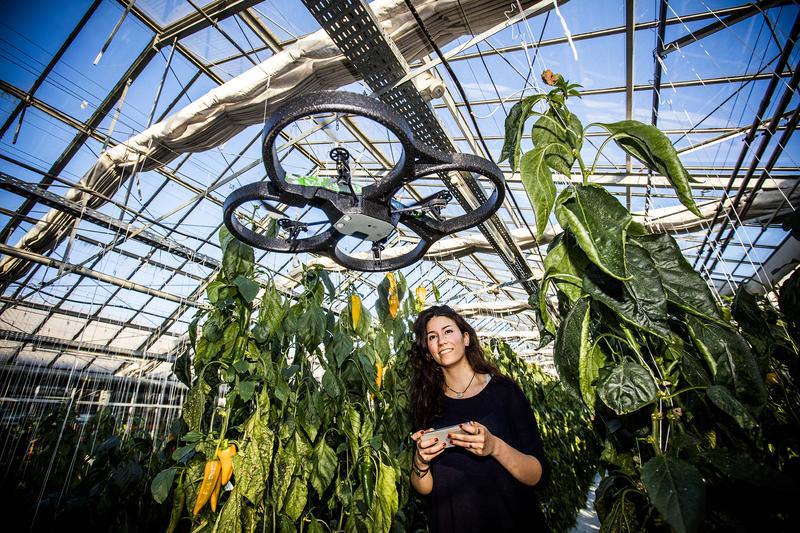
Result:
pixel 369 214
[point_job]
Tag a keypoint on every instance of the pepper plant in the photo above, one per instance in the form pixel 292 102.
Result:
pixel 314 404
pixel 678 394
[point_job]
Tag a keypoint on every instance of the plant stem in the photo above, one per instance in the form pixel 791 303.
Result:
pixel 656 431
pixel 584 173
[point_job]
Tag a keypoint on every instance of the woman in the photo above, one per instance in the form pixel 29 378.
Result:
pixel 485 481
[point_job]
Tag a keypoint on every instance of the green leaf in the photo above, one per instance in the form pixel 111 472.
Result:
pixel 225 237
pixel 330 384
pixel 309 418
pixel 563 133
pixel 230 517
pixel 624 460
pixel 350 424
pixel 599 223
pixel 650 146
pixel 538 182
pixel 627 387
pixel 282 472
pixel 544 321
pixel 676 489
pixel 591 361
pixel 184 453
pixel 241 366
pixel 312 326
pixel 622 517
pixel 212 329
pixel 738 465
pixel 436 293
pixel 238 259
pixel 754 325
pixel 254 458
pixel 725 401
pixel 182 368
pixel 402 285
pixel 731 362
pixel 246 390
pixel 683 285
pixel 195 405
pixel 572 339
pixel 514 127
pixel 177 507
pixel 161 484
pixel 213 289
pixel 192 436
pixel 385 501
pixel 382 302
pixel 565 264
pixel 247 288
pixel 326 280
pixel 640 300
pixel 273 309
pixel 325 465
pixel 339 348
pixel 296 499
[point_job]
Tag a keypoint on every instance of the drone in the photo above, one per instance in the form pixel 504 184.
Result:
pixel 369 213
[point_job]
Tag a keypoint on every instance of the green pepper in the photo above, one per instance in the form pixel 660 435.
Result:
pixel 365 470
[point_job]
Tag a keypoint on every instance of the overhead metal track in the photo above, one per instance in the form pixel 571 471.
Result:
pixel 40 195
pixel 353 28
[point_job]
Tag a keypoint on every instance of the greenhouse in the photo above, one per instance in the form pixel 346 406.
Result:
pixel 400 265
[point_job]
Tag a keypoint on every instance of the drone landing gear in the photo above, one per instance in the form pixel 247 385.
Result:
pixel 377 248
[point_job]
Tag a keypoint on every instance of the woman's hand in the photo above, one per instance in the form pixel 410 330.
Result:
pixel 478 440
pixel 427 449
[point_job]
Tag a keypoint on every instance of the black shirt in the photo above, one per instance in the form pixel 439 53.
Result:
pixel 472 493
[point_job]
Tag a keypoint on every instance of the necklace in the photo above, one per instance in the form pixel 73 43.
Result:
pixel 458 394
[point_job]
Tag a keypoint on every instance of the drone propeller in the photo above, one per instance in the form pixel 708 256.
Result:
pixel 433 203
pixel 342 158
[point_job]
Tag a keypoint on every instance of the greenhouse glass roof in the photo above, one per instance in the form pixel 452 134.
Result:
pixel 125 125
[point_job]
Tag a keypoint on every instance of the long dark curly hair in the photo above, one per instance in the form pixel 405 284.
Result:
pixel 427 378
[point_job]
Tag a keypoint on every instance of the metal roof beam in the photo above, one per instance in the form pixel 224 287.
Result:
pixel 721 24
pixel 198 20
pixel 80 347
pixel 22 105
pixel 100 276
pixel 13 302
pixel 704 15
pixel 80 138
pixel 39 195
